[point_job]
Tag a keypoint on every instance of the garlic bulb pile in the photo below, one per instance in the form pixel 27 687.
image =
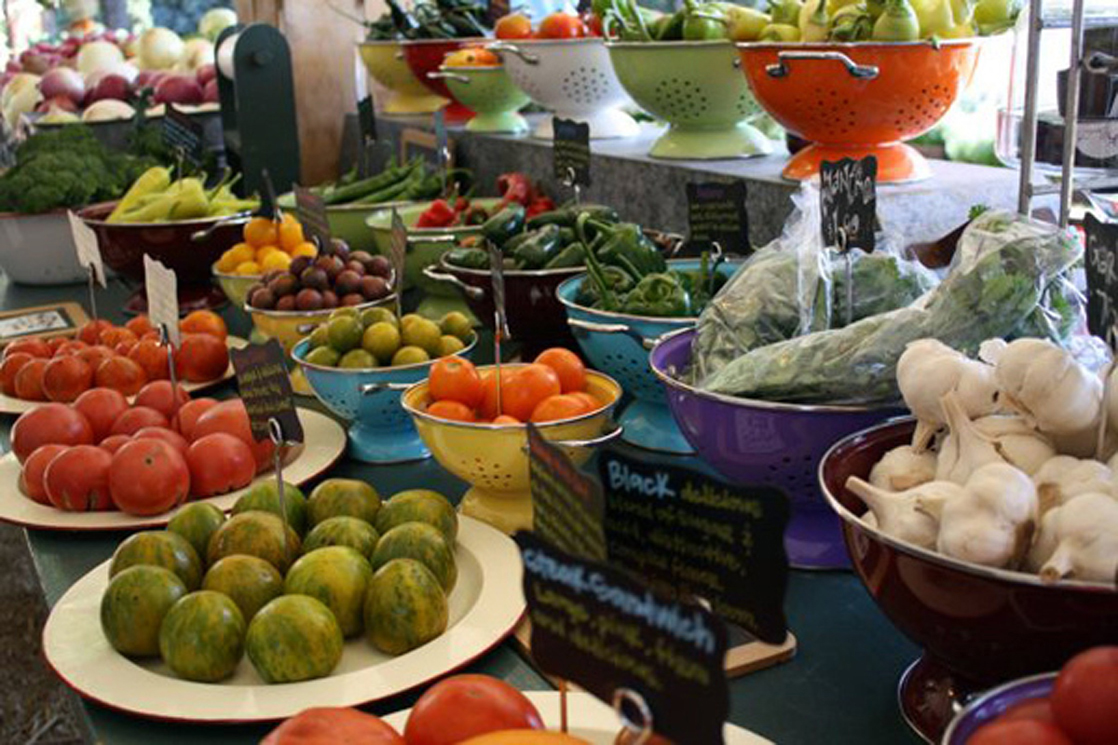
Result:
pixel 1003 469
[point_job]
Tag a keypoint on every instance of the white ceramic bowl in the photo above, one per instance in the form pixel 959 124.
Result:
pixel 39 249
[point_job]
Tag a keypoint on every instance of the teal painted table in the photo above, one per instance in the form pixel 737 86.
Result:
pixel 840 688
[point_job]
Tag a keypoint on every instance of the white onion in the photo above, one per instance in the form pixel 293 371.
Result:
pixel 108 110
pixel 160 49
pixel 99 55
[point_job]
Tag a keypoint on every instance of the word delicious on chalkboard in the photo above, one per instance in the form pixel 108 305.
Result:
pixel 716 214
pixel 598 628
pixel 312 214
pixel 571 151
pixel 567 505
pixel 266 390
pixel 848 197
pixel 181 133
pixel 692 534
pixel 1101 262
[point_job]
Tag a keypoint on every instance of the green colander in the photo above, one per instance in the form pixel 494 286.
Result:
pixel 697 87
pixel 492 95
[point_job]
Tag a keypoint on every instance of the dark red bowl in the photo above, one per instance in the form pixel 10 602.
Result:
pixel 426 55
pixel 978 626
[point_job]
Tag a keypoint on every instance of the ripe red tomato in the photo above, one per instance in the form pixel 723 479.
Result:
pixel 187 416
pixel 204 322
pixel 463 706
pixel 95 355
pixel 506 419
pixel 115 335
pixel 513 26
pixel 567 365
pixel 148 477
pixel 1039 709
pixel 592 402
pixel 1085 698
pixel 168 436
pixel 8 369
pixel 139 325
pixel 455 411
pixel 73 346
pixel 33 347
pixel 112 443
pixel 561 26
pixel 231 418
pixel 102 407
pixel 49 424
pixel 157 395
pixel 488 409
pixel 91 332
pixel 29 380
pixel 31 477
pixel 201 357
pixel 563 406
pixel 1018 732
pixel 330 726
pixel 56 343
pixel 122 374
pixel 77 479
pixel 133 420
pixel 219 463
pixel 152 357
pixel 593 24
pixel 529 386
pixel 456 379
pixel 66 378
pixel 124 347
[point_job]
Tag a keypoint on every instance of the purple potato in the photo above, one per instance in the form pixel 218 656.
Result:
pixel 262 298
pixel 287 302
pixel 285 284
pixel 356 266
pixel 308 299
pixel 352 299
pixel 380 266
pixel 298 264
pixel 347 283
pixel 329 299
pixel 315 278
pixel 374 288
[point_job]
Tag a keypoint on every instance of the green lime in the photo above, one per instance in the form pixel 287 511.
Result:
pixel 456 324
pixel 373 316
pixel 345 333
pixel 424 334
pixel 324 356
pixel 344 311
pixel 410 356
pixel 357 358
pixel 319 337
pixel 449 345
pixel 381 340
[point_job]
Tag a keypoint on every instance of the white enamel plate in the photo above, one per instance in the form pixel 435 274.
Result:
pixel 485 605
pixel 323 443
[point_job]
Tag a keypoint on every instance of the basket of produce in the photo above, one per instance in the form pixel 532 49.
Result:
pixel 477 78
pixel 266 246
pixel 770 377
pixel 357 365
pixel 617 318
pixel 476 430
pixel 384 61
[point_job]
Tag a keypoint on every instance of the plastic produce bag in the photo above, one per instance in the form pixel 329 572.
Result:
pixel 999 277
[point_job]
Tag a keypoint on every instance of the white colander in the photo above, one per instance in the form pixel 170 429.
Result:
pixel 572 78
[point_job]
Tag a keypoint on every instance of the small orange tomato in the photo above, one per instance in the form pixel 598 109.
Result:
pixel 530 385
pixel 567 365
pixel 554 408
pixel 562 26
pixel 506 419
pixel 513 26
pixel 204 322
pixel 452 410
pixel 260 231
pixel 488 408
pixel 456 379
pixel 593 403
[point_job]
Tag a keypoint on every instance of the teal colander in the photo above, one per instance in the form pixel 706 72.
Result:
pixel 492 95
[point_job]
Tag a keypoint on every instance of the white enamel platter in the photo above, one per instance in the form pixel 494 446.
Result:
pixel 13 405
pixel 485 606
pixel 323 443
pixel 589 718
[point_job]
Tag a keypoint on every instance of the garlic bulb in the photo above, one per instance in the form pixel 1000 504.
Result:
pixel 1017 443
pixel 965 448
pixel 927 370
pixel 896 514
pixel 903 468
pixel 1048 387
pixel 991 522
pixel 1064 477
pixel 1078 540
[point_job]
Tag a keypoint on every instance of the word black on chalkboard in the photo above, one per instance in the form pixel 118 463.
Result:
pixel 183 134
pixel 691 534
pixel 567 505
pixel 1101 262
pixel 716 213
pixel 848 198
pixel 266 390
pixel 595 626
pixel 312 214
pixel 571 151
pixel 367 119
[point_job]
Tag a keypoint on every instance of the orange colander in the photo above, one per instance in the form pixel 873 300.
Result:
pixel 857 99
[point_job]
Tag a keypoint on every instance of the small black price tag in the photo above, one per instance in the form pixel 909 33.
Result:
pixel 848 198
pixel 367 119
pixel 567 505
pixel 398 250
pixel 496 10
pixel 183 134
pixel 691 534
pixel 1101 262
pixel 312 214
pixel 571 151
pixel 599 628
pixel 262 380
pixel 716 213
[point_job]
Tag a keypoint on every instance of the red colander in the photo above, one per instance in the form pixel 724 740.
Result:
pixel 426 55
pixel 857 99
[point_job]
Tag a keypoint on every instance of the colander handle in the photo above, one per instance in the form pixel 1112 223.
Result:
pixel 370 388
pixel 412 238
pixel 456 77
pixel 579 325
pixel 504 46
pixel 780 69
pixel 602 439
pixel 474 293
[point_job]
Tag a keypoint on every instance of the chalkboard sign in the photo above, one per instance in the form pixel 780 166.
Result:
pixel 312 214
pixel 716 213
pixel 848 198
pixel 692 534
pixel 367 119
pixel 598 628
pixel 266 390
pixel 567 505
pixel 1101 262
pixel 571 151
pixel 183 134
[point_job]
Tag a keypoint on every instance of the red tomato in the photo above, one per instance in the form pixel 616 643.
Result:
pixel 455 379
pixel 554 408
pixel 95 355
pixel 33 347
pixel 74 346
pixel 1039 709
pixel 8 369
pixel 112 337
pixel 49 424
pixel 452 410
pixel 561 26
pixel 1018 732
pixel 567 365
pixel 168 436
pixel 593 24
pixel 187 415
pixel 463 706
pixel 152 357
pixel 139 325
pixel 231 418
pixel 102 407
pixel 330 726
pixel 56 343
pixel 78 479
pixel 91 332
pixel 122 374
pixel 66 378
pixel 157 395
pixel 124 347
pixel 29 380
pixel 488 408
pixel 31 477
pixel 133 420
pixel 529 386
pixel 219 463
pixel 506 419
pixel 513 26
pixel 112 443
pixel 1085 698
pixel 201 357
pixel 204 322
pixel 592 402
pixel 148 477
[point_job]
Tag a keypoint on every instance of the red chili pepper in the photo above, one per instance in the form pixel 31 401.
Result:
pixel 515 187
pixel 461 204
pixel 539 205
pixel 438 215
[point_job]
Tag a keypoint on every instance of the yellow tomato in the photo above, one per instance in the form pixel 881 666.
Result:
pixel 304 249
pixel 260 231
pixel 275 260
pixel 247 267
pixel 290 234
pixel 263 251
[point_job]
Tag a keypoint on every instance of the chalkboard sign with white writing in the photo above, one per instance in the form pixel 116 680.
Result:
pixel 571 151
pixel 848 197
pixel 1101 262
pixel 567 505
pixel 312 214
pixel 266 390
pixel 716 213
pixel 183 134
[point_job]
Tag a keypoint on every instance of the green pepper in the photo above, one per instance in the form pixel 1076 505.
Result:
pixel 606 288
pixel 535 252
pixel 571 256
pixel 626 246
pixel 510 245
pixel 704 22
pixel 617 281
pixel 565 217
pixel 504 225
pixel 468 258
pixel 567 236
pixel 660 295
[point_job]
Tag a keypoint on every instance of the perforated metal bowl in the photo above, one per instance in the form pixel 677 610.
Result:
pixel 384 61
pixel 491 94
